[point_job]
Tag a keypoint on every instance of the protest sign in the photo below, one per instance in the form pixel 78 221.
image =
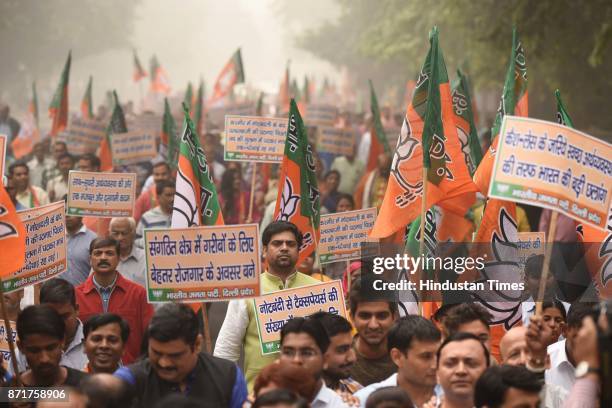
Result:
pixel 202 264
pixel 336 141
pixel 132 147
pixel 552 166
pixel 83 135
pixel 275 309
pixel 101 194
pixel 342 234
pixel 255 139
pixel 2 153
pixel 4 342
pixel 320 115
pixel 530 244
pixel 45 246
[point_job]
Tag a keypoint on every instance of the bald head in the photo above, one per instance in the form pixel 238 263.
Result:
pixel 513 346
pixel 124 231
pixel 106 391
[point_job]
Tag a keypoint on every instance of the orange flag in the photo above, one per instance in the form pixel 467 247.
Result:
pixel 428 126
pixel 12 236
pixel 598 256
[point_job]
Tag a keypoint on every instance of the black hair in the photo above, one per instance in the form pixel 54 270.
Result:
pixel 162 163
pixel 92 158
pixel 58 291
pixel 104 394
pixel 556 304
pixel 60 142
pixel 411 327
pixel 103 319
pixel 492 386
pixel 362 290
pixel 389 397
pixel 345 196
pixel 64 155
pixel 333 324
pixel 441 313
pixel 578 311
pixel 465 313
pixel 333 171
pixel 162 184
pixel 177 401
pixel 312 327
pixel 40 319
pixel 276 227
pixel 174 321
pixel 14 165
pixel 103 242
pixel 280 396
pixel 461 336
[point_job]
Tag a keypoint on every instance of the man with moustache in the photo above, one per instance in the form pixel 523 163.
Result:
pixel 281 242
pixel 107 291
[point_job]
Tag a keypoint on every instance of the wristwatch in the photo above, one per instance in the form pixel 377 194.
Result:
pixel 583 369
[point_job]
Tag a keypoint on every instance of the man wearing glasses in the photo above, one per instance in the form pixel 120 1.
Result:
pixel 281 241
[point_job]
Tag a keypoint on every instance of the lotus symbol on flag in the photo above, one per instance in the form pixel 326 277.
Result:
pixel 503 305
pixel 465 149
pixel 606 252
pixel 289 202
pixel 6 230
pixel 403 153
pixel 184 203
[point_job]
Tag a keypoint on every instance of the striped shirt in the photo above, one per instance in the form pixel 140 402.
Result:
pixel 154 218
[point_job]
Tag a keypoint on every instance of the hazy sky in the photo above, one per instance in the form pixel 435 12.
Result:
pixel 194 38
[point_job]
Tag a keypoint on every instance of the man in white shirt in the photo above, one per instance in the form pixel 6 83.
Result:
pixel 304 342
pixel 132 260
pixel 26 194
pixel 39 164
pixel 562 360
pixel 413 342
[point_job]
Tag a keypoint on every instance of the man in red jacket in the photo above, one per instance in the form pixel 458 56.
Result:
pixel 106 291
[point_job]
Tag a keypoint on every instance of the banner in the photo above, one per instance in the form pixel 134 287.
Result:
pixel 552 166
pixel 255 139
pixel 102 195
pixel 4 343
pixel 342 234
pixel 530 244
pixel 135 146
pixel 320 115
pixel 336 141
pixel 275 309
pixel 202 264
pixel 45 255
pixel 83 135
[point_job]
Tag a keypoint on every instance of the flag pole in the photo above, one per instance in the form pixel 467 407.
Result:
pixel 9 337
pixel 422 236
pixel 552 229
pixel 206 326
pixel 252 198
pixel 314 237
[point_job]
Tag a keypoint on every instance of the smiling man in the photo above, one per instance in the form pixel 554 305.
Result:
pixel 174 364
pixel 106 291
pixel 281 242
pixel 105 338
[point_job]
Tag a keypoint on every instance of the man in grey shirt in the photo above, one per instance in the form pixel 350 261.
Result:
pixel 132 262
pixel 79 238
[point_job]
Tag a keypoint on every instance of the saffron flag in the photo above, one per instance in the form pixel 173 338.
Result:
pixel 12 236
pixel 428 127
pixel 28 133
pixel 86 103
pixel 298 195
pixel 464 119
pixel 379 143
pixel 231 74
pixel 139 72
pixel 117 124
pixel 169 142
pixel 58 110
pixel 198 115
pixel 196 202
pixel 159 78
pixel 598 256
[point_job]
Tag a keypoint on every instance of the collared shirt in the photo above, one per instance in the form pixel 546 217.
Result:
pixel 78 256
pixel 128 300
pixel 37 169
pixel 364 393
pixel 326 398
pixel 74 356
pixel 561 371
pixel 134 266
pixel 154 218
pixel 32 197
pixel 58 186
pixel 104 291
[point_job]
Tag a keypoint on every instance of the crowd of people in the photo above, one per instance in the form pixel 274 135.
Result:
pixel 92 330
